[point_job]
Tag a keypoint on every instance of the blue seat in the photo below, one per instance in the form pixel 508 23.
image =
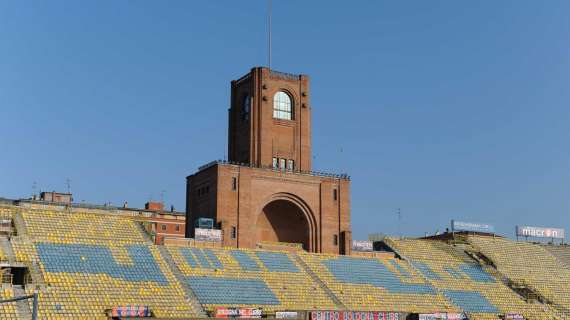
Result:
pixel 187 254
pixel 401 270
pixel 97 259
pixel 201 257
pixel 453 272
pixel 277 262
pixel 231 291
pixel 372 272
pixel 245 261
pixel 476 273
pixel 470 301
pixel 426 270
pixel 213 258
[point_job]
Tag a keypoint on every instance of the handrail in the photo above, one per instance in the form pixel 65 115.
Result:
pixel 342 176
pixel 284 75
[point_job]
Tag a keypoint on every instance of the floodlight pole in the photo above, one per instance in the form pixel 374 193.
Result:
pixel 35 310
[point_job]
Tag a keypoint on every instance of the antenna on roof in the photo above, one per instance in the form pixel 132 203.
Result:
pixel 34 185
pixel 68 184
pixel 269 33
pixel 399 213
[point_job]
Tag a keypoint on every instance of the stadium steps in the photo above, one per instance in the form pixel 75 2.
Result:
pixel 318 281
pixel 37 275
pixel 6 247
pixel 192 299
pixel 20 224
pixel 561 253
pixel 22 306
pixel 394 246
pixel 144 233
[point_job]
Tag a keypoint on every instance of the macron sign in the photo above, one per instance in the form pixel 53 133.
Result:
pixel 538 232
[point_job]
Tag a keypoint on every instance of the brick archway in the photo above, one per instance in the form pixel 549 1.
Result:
pixel 286 218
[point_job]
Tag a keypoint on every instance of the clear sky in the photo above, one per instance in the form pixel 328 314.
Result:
pixel 445 109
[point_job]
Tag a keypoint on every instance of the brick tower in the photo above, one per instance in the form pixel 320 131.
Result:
pixel 267 191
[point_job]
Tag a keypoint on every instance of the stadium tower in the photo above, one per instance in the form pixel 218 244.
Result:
pixel 267 193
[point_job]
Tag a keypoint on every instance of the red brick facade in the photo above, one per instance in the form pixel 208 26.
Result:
pixel 267 192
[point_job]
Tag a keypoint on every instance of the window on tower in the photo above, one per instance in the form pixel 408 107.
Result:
pixel 282 106
pixel 290 165
pixel 246 107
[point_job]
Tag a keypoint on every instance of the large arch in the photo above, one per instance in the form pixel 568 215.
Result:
pixel 286 218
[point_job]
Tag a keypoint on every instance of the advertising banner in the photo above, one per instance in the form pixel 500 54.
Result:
pixel 238 313
pixel 363 246
pixel 538 232
pixel 514 316
pixel 211 235
pixel 286 315
pixel 441 316
pixel 130 312
pixel 471 227
pixel 352 315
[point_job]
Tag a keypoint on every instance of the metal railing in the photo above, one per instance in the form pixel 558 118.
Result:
pixel 283 75
pixel 343 176
pixel 35 303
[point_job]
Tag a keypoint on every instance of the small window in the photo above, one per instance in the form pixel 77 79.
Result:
pixel 335 194
pixel 290 165
pixel 246 107
pixel 163 227
pixel 177 227
pixel 275 163
pixel 282 163
pixel 282 106
pixel 335 240
pixel 234 232
pixel 234 183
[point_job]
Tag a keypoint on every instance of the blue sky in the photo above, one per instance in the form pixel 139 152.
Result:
pixel 445 109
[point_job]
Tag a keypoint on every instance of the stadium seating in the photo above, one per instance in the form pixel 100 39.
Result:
pixel 377 284
pixel 561 252
pixel 271 280
pixel 81 227
pixel 91 263
pixel 86 263
pixel 463 281
pixel 7 310
pixel 530 265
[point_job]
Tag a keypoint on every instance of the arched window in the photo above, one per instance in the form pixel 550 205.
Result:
pixel 282 106
pixel 246 107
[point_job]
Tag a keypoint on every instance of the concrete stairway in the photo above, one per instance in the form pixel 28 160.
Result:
pixel 22 306
pixel 143 231
pixel 6 247
pixel 321 284
pixel 192 299
pixel 20 225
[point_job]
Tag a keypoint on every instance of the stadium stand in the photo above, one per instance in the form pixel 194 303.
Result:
pixel 7 310
pixel 91 263
pixel 463 281
pixel 270 280
pixel 84 264
pixel 377 284
pixel 529 266
pixel 561 252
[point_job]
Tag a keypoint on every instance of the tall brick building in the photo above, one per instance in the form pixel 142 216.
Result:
pixel 267 191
